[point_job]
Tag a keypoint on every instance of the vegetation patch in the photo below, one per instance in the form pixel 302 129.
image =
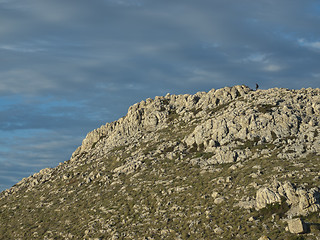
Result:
pixel 219 108
pixel 95 143
pixel 195 111
pixel 277 209
pixel 172 116
pixel 266 108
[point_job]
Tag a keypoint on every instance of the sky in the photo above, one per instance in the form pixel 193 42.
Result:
pixel 68 67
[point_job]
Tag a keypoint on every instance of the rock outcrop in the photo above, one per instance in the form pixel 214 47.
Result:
pixel 266 196
pixel 300 200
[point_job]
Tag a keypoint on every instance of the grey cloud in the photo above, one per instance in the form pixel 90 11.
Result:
pixel 127 3
pixel 162 36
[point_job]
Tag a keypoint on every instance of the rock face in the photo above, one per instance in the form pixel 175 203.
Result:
pixel 202 166
pixel 300 200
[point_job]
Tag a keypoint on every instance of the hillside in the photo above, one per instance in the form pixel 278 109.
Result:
pixel 232 163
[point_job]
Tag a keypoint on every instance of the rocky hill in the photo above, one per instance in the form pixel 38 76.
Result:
pixel 232 163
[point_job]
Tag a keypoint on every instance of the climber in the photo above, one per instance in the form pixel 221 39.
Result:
pixel 257 86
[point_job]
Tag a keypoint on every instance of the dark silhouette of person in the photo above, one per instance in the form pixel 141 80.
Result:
pixel 257 86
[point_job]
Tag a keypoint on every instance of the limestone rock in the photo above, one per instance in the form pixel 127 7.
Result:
pixel 218 230
pixel 296 225
pixel 264 238
pixel 219 200
pixel 301 201
pixel 215 194
pixel 266 196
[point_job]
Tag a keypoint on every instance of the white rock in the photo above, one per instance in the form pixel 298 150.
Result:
pixel 296 225
pixel 266 196
pixel 219 200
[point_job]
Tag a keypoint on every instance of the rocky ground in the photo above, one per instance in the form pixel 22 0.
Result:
pixel 228 164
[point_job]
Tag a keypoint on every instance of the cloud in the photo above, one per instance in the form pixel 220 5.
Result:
pixel 316 75
pixel 102 41
pixel 48 11
pixel 127 3
pixel 273 68
pixel 257 57
pixel 47 114
pixel 24 81
pixel 315 45
pixel 25 49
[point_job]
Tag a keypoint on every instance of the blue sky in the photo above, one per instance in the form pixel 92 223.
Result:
pixel 67 67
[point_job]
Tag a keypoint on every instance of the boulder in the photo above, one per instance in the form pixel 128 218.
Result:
pixel 296 225
pixel 266 196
